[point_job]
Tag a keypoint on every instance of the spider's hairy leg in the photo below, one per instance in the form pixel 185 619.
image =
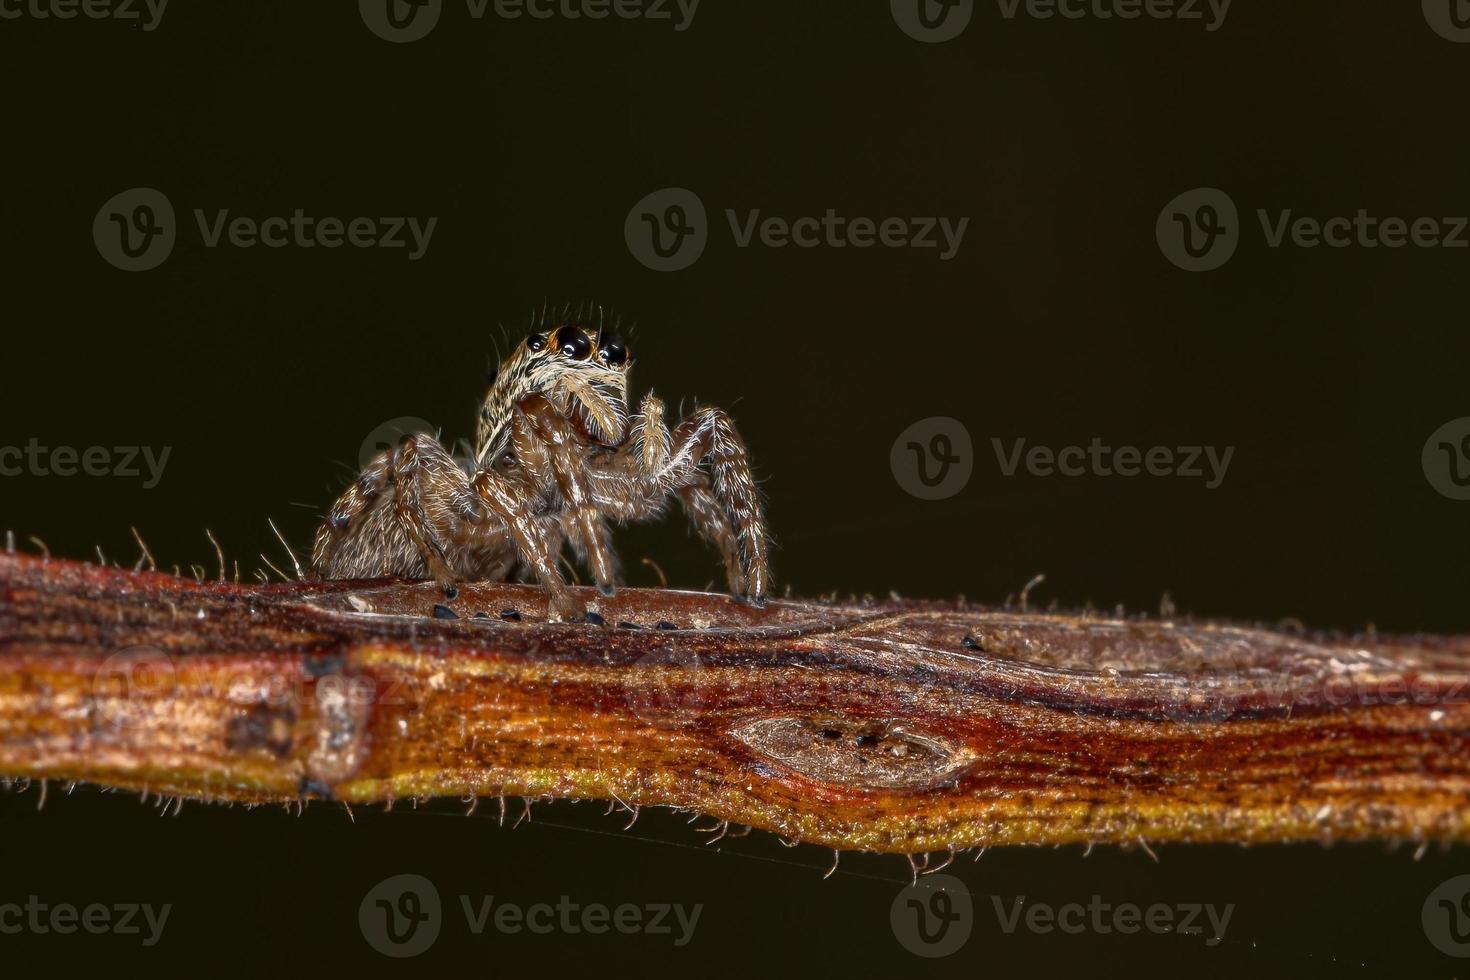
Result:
pixel 652 435
pixel 611 577
pixel 585 525
pixel 430 502
pixel 709 520
pixel 439 521
pixel 404 516
pixel 672 461
pixel 534 543
pixel 354 502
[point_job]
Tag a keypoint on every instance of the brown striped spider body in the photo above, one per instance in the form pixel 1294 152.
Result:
pixel 558 457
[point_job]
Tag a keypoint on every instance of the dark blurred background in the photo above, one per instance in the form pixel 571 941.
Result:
pixel 1058 320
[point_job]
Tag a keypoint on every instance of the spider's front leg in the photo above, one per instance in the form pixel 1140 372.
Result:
pixel 537 540
pixel 725 504
pixel 561 443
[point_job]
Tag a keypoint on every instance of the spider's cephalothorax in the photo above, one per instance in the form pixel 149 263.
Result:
pixel 557 456
pixel 579 366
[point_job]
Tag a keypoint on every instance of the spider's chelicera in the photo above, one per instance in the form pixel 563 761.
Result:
pixel 557 457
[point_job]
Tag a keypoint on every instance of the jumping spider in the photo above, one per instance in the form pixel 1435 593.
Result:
pixel 557 456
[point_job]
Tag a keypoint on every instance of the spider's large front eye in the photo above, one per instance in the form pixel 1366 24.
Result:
pixel 613 351
pixel 536 342
pixel 573 343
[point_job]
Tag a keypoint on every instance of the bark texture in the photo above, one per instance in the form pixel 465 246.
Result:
pixel 883 726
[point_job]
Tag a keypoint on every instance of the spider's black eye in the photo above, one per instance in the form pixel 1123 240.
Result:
pixel 613 351
pixel 491 375
pixel 573 343
pixel 536 342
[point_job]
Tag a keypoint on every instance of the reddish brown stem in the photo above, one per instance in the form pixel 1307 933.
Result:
pixel 896 726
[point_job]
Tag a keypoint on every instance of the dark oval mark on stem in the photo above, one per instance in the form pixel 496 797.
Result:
pixel 856 753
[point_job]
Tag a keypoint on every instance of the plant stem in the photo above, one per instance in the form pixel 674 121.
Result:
pixel 894 727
